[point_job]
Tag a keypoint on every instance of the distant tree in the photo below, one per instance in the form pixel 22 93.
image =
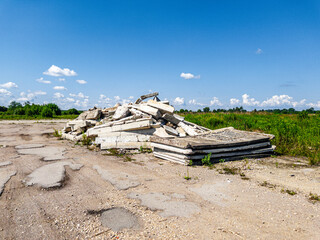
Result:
pixel 3 109
pixel 54 107
pixel 14 105
pixel 199 110
pixel 206 109
pixel 47 112
pixel 72 111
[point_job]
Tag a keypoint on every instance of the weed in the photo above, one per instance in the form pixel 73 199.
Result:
pixel 277 164
pixel 190 163
pixel 57 133
pixel 187 177
pixel 230 171
pixel 290 192
pixel 222 160
pixel 268 185
pixel 314 197
pixel 207 160
pixel 243 176
pixel 128 159
pixel 145 150
pixel 86 141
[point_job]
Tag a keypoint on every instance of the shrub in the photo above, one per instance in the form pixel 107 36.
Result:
pixel 46 112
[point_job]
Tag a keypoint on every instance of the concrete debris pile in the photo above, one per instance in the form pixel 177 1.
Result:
pixel 153 124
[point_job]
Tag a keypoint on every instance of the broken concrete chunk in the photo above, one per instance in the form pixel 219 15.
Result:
pixel 160 132
pixel 121 112
pixel 171 118
pixel 67 129
pixel 139 100
pixel 188 129
pixel 94 114
pixel 149 110
pixel 82 116
pixel 181 132
pixel 171 130
pixel 163 107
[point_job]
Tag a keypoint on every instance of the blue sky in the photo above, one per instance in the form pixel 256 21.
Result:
pixel 221 54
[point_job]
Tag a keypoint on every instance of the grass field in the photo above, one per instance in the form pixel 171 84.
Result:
pixel 295 134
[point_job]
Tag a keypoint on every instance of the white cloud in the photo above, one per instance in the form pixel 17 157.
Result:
pixel 40 93
pixel 117 98
pixel 259 51
pixel 61 79
pixel 234 101
pixel 29 96
pixel 69 100
pixel 189 76
pixel 58 95
pixel 9 85
pixel 277 101
pixel 55 71
pixel 23 99
pixel 5 92
pixel 194 102
pixel 178 101
pixel 79 95
pixel 82 104
pixel 215 101
pixel 41 80
pixel 246 100
pixel 81 81
pixel 300 103
pixel 131 97
pixel 314 105
pixel 59 88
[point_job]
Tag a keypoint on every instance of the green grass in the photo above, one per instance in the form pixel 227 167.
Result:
pixel 295 135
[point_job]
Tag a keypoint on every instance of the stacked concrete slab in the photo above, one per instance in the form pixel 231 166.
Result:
pixel 226 144
pixel 153 124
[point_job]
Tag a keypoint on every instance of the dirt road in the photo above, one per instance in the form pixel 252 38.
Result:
pixel 54 189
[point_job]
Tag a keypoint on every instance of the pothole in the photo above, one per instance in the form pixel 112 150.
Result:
pixel 118 219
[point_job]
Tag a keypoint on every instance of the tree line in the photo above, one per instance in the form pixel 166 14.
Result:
pixel 32 110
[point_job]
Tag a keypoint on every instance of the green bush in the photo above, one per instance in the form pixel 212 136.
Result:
pixel 47 112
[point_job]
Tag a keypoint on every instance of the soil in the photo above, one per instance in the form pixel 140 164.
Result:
pixel 250 199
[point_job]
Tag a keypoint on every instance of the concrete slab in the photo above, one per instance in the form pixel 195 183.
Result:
pixel 47 153
pixel 118 219
pixel 164 203
pixel 188 129
pixel 51 175
pixel 161 106
pixel 120 181
pixel 171 130
pixel 28 146
pixel 5 176
pixel 125 145
pixel 6 163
